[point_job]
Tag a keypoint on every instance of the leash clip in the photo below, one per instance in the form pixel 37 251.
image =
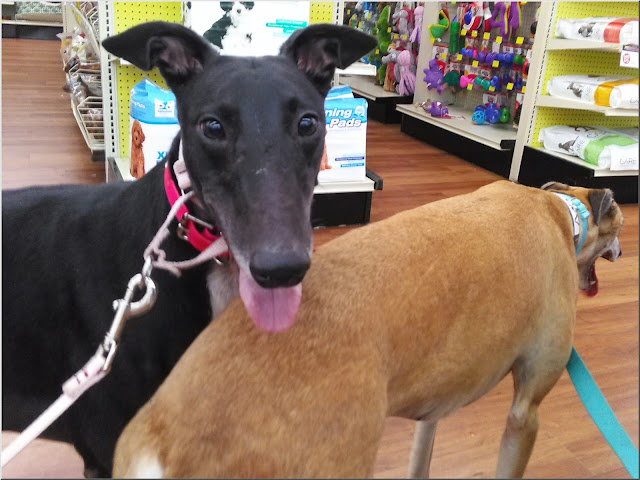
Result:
pixel 126 309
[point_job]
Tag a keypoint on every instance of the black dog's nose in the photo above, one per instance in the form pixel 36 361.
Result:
pixel 272 270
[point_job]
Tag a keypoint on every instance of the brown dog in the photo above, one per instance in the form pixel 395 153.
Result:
pixel 137 155
pixel 425 312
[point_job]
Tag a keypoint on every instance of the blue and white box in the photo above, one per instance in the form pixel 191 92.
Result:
pixel 153 124
pixel 346 140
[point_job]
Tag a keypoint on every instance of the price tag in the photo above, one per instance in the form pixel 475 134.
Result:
pixel 470 86
pixel 519 40
pixel 475 63
pixel 495 64
pixel 377 51
pixel 474 33
pixel 404 37
pixel 509 86
pixel 463 33
pixel 348 12
pixel 524 88
pixel 389 30
pixel 459 57
pixel 498 40
pixel 359 24
pixel 492 89
pixel 486 36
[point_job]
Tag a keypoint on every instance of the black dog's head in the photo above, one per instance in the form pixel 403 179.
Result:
pixel 253 132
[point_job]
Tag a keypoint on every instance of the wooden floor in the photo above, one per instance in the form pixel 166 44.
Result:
pixel 41 144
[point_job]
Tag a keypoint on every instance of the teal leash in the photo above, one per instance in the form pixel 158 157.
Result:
pixel 601 414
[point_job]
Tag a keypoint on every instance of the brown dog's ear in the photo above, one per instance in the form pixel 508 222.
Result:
pixel 319 49
pixel 555 186
pixel 177 51
pixel 601 201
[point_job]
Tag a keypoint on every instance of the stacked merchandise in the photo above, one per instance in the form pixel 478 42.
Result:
pixel 397 26
pixel 480 49
pixel 82 66
pixel 615 149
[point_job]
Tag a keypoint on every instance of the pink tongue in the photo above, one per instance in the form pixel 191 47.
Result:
pixel 272 309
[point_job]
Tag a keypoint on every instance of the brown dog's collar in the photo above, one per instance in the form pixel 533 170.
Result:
pixel 579 215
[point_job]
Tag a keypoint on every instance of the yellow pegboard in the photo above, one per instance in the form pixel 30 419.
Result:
pixel 596 9
pixel 126 15
pixel 321 12
pixel 548 116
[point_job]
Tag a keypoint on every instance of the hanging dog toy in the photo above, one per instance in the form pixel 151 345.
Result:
pixel 407 84
pixel 418 13
pixel 473 16
pixel 433 76
pixel 436 30
pixel 499 18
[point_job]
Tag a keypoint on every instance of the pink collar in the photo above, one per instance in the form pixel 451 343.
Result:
pixel 187 229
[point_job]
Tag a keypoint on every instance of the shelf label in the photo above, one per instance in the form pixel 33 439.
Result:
pixel 524 88
pixel 474 33
pixel 459 57
pixel 509 86
pixel 486 36
pixel 475 63
pixel 629 56
pixel 470 86
pixel 519 40
pixel 389 30
pixel 495 64
pixel 463 33
pixel 492 89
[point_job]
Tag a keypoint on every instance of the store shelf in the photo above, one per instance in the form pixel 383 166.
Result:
pixel 365 87
pixel 88 24
pixel 358 69
pixel 499 137
pixel 597 171
pixel 566 44
pixel 557 102
pixel 89 116
pixel 32 23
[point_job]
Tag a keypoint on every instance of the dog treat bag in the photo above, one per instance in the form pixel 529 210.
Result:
pixel 600 146
pixel 153 124
pixel 616 92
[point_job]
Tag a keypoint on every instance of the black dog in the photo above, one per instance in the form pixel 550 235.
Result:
pixel 252 134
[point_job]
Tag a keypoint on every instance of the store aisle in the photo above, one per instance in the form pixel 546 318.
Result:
pixel 41 144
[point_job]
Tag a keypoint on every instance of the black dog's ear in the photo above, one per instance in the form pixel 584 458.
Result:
pixel 555 186
pixel 319 49
pixel 177 51
pixel 601 201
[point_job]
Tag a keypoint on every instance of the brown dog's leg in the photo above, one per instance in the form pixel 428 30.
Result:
pixel 422 449
pixel 531 387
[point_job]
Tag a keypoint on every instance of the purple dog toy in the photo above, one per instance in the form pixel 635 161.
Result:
pixel 433 76
pixel 438 110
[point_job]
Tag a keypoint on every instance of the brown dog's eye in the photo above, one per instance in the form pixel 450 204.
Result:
pixel 212 129
pixel 307 126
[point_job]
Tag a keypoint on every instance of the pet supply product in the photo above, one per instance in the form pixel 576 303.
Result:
pixel 596 145
pixel 598 29
pixel 616 92
pixel 346 140
pixel 153 124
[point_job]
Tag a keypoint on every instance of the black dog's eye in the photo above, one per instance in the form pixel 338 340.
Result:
pixel 212 129
pixel 307 126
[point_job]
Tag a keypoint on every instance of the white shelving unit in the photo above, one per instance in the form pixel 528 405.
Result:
pixel 89 112
pixel 554 56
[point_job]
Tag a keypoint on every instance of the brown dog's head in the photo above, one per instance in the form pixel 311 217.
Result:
pixel 137 135
pixel 604 224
